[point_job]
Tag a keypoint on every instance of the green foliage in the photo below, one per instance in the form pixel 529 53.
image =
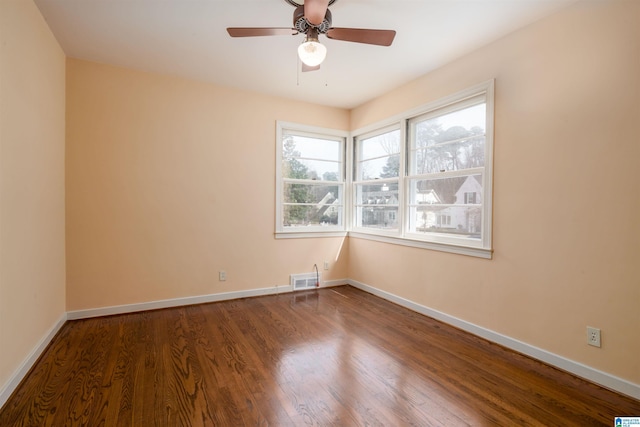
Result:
pixel 295 193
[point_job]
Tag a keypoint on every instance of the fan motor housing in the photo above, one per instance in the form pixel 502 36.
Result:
pixel 301 24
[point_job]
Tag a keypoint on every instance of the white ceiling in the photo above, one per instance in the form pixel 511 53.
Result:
pixel 188 38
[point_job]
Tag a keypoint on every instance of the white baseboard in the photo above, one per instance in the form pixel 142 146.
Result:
pixel 177 302
pixel 601 378
pixel 331 283
pixel 10 386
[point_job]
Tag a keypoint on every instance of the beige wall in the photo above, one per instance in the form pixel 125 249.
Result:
pixel 170 181
pixel 566 194
pixel 32 121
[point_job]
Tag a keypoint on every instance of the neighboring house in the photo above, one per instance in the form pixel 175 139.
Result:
pixel 325 203
pixel 460 213
pixel 381 210
pixel 427 218
pixel 469 217
pixel 328 209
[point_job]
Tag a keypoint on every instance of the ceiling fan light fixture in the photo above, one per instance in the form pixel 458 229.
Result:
pixel 312 52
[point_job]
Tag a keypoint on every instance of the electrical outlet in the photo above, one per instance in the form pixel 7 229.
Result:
pixel 326 265
pixel 593 336
pixel 222 276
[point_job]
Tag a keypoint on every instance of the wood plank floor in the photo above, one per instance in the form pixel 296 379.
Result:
pixel 335 356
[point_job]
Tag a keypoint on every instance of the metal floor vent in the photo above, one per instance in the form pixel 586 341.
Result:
pixel 304 281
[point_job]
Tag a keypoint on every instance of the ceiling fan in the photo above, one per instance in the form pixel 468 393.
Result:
pixel 313 18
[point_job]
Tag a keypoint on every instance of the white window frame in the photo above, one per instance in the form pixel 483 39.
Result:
pixel 357 181
pixel 339 230
pixel 480 248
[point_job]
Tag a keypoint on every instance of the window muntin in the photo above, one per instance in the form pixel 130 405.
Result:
pixel 377 180
pixel 310 181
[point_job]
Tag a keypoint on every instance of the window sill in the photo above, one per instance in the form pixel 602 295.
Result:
pixel 421 244
pixel 308 234
pixel 402 241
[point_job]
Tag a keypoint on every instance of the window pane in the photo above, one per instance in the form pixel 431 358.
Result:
pixel 448 205
pixel 311 158
pixel 316 194
pixel 379 156
pixel 380 217
pixel 385 167
pixel 319 170
pixel 460 221
pixel 380 145
pixel 449 142
pixel 307 215
pixel 377 205
pixel 296 146
pixel 377 194
pixel 312 204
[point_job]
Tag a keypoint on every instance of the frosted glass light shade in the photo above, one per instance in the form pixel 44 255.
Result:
pixel 312 52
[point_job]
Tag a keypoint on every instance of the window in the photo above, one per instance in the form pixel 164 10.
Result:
pixel 426 179
pixel 310 180
pixel 377 177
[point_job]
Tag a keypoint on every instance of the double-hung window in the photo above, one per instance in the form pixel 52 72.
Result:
pixel 377 177
pixel 424 178
pixel 310 177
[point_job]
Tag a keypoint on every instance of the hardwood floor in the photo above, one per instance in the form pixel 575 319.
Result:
pixel 335 356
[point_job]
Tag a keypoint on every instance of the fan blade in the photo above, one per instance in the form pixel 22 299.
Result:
pixel 314 11
pixel 361 35
pixel 257 32
pixel 306 68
